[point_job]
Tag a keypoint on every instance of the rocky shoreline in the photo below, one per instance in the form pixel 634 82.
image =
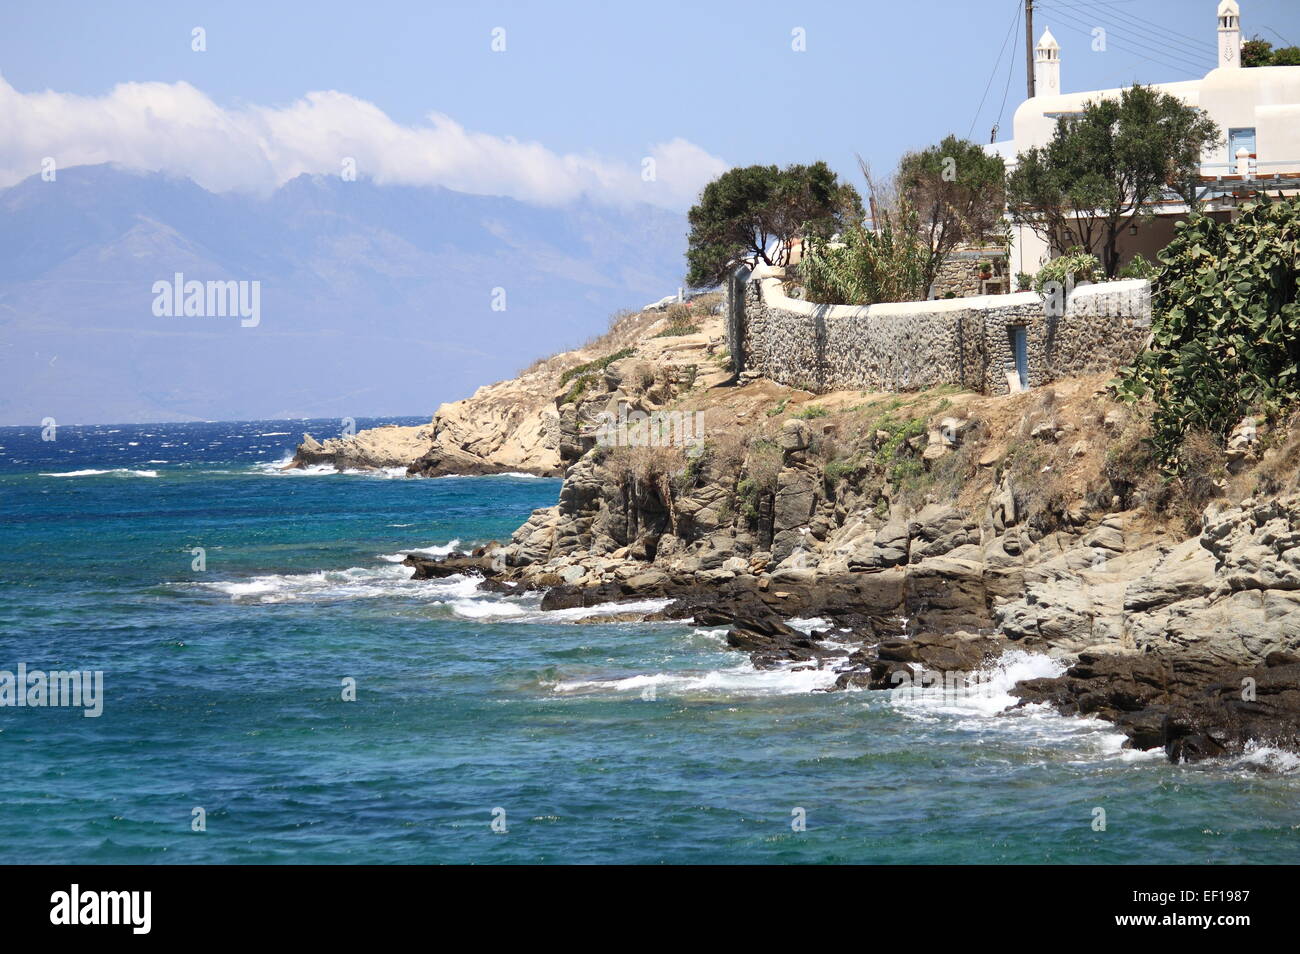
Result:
pixel 933 532
pixel 1194 703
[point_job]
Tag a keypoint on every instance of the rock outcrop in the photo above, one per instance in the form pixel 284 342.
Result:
pixel 522 425
pixel 377 448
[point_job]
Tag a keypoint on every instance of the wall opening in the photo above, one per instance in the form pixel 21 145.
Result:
pixel 1020 351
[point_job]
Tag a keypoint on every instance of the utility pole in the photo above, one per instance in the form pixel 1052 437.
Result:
pixel 1029 46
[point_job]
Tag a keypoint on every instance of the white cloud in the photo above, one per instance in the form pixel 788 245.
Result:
pixel 175 128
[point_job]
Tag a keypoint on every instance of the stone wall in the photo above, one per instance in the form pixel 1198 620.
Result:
pixel 915 345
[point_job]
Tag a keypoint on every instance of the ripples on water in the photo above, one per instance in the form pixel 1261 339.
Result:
pixel 633 742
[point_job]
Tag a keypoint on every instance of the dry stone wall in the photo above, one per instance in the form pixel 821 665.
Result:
pixel 915 345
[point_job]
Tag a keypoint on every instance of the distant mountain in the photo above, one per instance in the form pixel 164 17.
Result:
pixel 375 300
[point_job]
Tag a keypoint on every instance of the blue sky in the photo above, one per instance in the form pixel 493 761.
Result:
pixel 611 80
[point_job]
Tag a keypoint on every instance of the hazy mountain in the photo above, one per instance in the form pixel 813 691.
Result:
pixel 374 299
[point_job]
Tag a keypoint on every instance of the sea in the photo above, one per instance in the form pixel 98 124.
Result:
pixel 276 689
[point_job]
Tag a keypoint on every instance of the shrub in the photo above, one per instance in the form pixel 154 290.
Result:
pixel 1068 270
pixel 1225 337
pixel 680 322
pixel 868 266
pixel 812 411
pixel 1038 484
pixel 762 466
pixel 600 364
pixel 1139 267
pixel 837 469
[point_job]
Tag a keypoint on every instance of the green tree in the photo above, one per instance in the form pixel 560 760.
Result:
pixel 1256 52
pixel 1286 56
pixel 1105 165
pixel 958 192
pixel 753 214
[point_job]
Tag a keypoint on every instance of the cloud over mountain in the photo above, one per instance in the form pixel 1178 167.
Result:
pixel 177 129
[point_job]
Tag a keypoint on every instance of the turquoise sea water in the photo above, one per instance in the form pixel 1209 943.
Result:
pixel 600 742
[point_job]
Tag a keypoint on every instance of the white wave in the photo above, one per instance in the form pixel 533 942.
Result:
pixel 96 473
pixel 741 680
pixel 986 692
pixel 388 473
pixel 806 625
pixel 275 434
pixel 458 592
pixel 485 609
pixel 1269 758
pixel 352 583
pixel 601 609
pixel 443 550
pixel 281 468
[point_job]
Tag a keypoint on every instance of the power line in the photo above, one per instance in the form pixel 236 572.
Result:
pixel 1201 47
pixel 1179 44
pixel 1172 59
pixel 1010 69
pixel 1279 36
pixel 989 85
pixel 1177 67
pixel 1169 44
pixel 1198 41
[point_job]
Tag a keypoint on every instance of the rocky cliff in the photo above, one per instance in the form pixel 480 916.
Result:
pixel 514 425
pixel 933 531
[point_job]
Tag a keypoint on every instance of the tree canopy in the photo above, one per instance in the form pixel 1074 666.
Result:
pixel 958 192
pixel 1105 165
pixel 1257 52
pixel 753 214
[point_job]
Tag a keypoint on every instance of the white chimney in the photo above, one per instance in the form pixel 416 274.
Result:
pixel 1047 66
pixel 1229 34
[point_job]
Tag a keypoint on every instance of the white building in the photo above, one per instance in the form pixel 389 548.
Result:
pixel 1257 109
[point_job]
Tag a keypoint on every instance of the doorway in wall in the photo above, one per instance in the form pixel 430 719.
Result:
pixel 1020 349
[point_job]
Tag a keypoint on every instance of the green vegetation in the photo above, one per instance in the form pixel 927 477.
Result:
pixel 745 210
pixel 1257 52
pixel 1139 267
pixel 1225 329
pixel 779 408
pixel 585 374
pixel 1104 165
pixel 812 411
pixel 838 468
pixel 959 193
pixel 763 464
pixel 868 266
pixel 1068 270
pixel 681 321
pixel 893 456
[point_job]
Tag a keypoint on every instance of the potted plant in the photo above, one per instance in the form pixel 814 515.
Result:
pixel 985 270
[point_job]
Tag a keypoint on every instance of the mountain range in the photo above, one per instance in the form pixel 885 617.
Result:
pixel 374 299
